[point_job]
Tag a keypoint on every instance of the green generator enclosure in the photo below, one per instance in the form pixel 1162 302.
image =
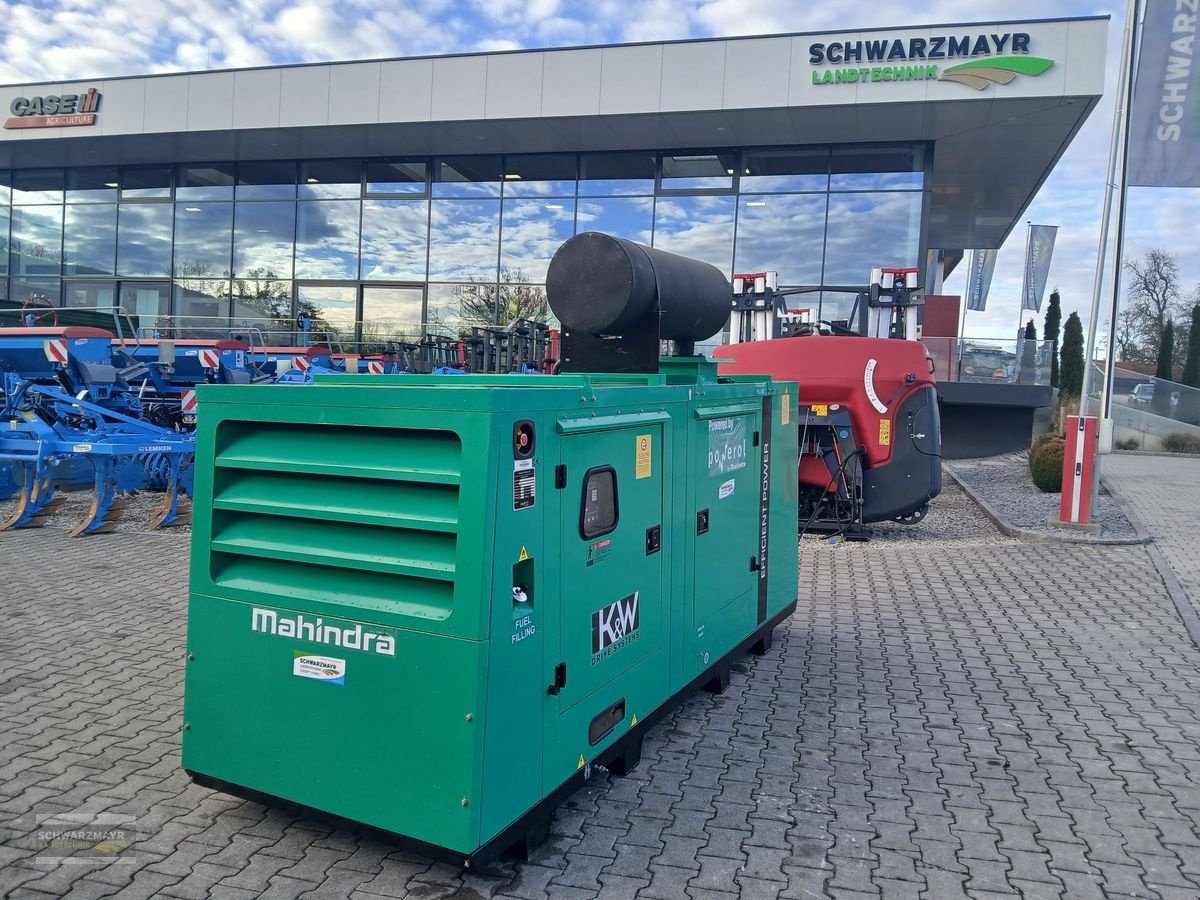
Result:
pixel 432 604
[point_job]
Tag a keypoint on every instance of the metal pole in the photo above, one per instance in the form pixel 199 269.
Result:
pixel 1102 248
pixel 1024 287
pixel 1122 198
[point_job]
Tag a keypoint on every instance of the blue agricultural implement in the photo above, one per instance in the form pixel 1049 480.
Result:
pixel 71 421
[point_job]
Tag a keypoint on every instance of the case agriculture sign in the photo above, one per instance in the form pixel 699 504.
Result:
pixel 54 110
pixel 989 59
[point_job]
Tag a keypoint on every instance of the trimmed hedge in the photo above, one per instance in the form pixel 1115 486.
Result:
pixel 1181 442
pixel 1046 462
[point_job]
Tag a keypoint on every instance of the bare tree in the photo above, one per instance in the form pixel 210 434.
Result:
pixel 1154 297
pixel 1129 345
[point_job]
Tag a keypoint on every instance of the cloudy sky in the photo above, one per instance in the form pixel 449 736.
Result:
pixel 69 39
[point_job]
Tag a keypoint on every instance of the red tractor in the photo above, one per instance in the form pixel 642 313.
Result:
pixel 870 433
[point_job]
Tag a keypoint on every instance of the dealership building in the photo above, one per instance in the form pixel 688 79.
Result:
pixel 398 192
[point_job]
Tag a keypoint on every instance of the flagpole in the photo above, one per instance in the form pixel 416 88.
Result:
pixel 1122 203
pixel 1120 122
pixel 1025 283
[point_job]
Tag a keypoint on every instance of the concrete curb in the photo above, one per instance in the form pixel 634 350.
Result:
pixel 1156 453
pixel 1029 536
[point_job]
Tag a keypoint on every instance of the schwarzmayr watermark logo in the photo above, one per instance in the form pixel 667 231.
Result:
pixel 991 59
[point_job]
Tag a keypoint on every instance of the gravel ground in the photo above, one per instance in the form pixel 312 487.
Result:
pixel 1004 484
pixel 953 520
pixel 138 509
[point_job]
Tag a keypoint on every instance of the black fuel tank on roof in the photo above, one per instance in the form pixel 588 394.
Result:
pixel 605 285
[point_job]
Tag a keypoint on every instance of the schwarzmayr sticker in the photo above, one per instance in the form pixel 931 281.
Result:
pixel 322 668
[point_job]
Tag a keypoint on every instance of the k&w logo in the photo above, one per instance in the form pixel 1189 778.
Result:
pixel 614 626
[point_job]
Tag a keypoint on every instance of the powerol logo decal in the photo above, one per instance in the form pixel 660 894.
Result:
pixel 322 668
pixel 615 626
pixel 348 635
pixel 981 73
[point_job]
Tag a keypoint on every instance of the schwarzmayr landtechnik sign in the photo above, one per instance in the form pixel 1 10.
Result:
pixel 54 110
pixel 990 59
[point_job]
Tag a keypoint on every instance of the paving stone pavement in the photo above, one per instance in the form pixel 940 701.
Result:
pixel 962 715
pixel 1164 493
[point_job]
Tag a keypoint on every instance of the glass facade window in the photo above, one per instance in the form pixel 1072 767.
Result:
pixel 395 312
pixel 895 234
pixel 532 231
pixel 34 186
pixel 90 239
pixel 144 239
pixel 396 177
pixel 146 183
pixel 613 174
pixel 877 168
pixel 36 247
pixel 625 217
pixel 444 307
pixel 211 181
pixel 782 233
pixel 201 301
pixel 330 179
pixel 798 169
pixel 203 239
pixel 4 246
pixel 543 175
pixel 273 180
pixel 698 171
pixel 334 309
pixel 467 176
pixel 327 239
pixel 261 303
pixel 395 240
pixel 147 300
pixel 464 240
pixel 90 294
pixel 94 185
pixel 364 240
pixel 699 227
pixel 38 289
pixel 264 239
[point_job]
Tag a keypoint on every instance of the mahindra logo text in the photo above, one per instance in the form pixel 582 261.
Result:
pixel 268 621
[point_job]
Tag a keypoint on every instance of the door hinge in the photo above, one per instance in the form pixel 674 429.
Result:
pixel 560 477
pixel 754 564
pixel 560 680
pixel 756 439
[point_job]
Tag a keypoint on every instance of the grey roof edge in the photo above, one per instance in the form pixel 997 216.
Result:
pixel 488 53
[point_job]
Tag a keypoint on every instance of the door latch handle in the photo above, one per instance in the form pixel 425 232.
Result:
pixel 560 680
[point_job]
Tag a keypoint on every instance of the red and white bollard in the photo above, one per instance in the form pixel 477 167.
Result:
pixel 1079 464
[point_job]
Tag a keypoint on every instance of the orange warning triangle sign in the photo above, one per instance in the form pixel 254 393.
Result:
pixel 634 722
pixel 580 766
pixel 524 554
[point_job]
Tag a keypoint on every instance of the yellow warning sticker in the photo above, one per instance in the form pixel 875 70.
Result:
pixel 642 468
pixel 634 722
pixel 581 763
pixel 524 554
pixel 885 432
pixel 785 414
pixel 820 409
